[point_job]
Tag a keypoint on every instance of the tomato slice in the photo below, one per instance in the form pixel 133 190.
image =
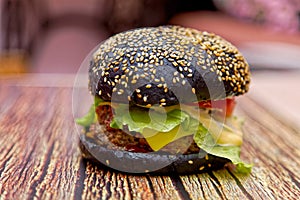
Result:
pixel 226 106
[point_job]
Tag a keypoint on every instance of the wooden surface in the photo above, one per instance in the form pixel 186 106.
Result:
pixel 40 158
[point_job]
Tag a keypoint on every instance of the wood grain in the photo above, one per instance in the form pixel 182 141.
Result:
pixel 40 158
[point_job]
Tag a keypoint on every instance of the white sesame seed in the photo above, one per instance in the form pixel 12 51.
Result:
pixel 194 90
pixel 145 98
pixel 174 80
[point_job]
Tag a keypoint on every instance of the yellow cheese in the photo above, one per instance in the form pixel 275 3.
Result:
pixel 161 139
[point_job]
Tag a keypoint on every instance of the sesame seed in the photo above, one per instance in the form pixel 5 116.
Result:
pixel 163 104
pixel 138 90
pixel 145 98
pixel 148 105
pixel 194 90
pixel 148 86
pixel 206 157
pixel 201 168
pixel 116 69
pixel 190 162
pixel 174 80
pixel 121 91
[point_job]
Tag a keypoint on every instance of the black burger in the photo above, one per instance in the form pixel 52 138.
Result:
pixel 163 102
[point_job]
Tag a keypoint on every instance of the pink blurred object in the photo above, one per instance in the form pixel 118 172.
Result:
pixel 281 15
pixel 91 8
pixel 64 49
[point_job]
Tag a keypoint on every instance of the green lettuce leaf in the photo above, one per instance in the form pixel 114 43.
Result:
pixel 139 119
pixel 87 119
pixel 206 142
pixel 90 117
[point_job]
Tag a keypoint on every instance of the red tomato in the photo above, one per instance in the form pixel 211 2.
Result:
pixel 226 105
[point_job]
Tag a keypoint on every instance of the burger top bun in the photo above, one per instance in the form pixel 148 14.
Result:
pixel 167 65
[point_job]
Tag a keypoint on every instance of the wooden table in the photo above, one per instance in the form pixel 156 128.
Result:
pixel 40 158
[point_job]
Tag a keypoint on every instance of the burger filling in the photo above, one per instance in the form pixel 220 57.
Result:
pixel 208 125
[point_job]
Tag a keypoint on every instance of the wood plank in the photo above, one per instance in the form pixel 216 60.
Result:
pixel 39 159
pixel 274 152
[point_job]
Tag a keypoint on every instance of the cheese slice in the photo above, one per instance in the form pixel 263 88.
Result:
pixel 161 139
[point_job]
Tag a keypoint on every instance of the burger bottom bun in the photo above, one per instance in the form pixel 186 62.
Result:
pixel 152 163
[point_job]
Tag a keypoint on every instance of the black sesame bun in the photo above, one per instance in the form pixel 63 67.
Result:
pixel 165 66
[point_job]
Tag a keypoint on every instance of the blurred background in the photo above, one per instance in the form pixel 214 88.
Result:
pixel 54 36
